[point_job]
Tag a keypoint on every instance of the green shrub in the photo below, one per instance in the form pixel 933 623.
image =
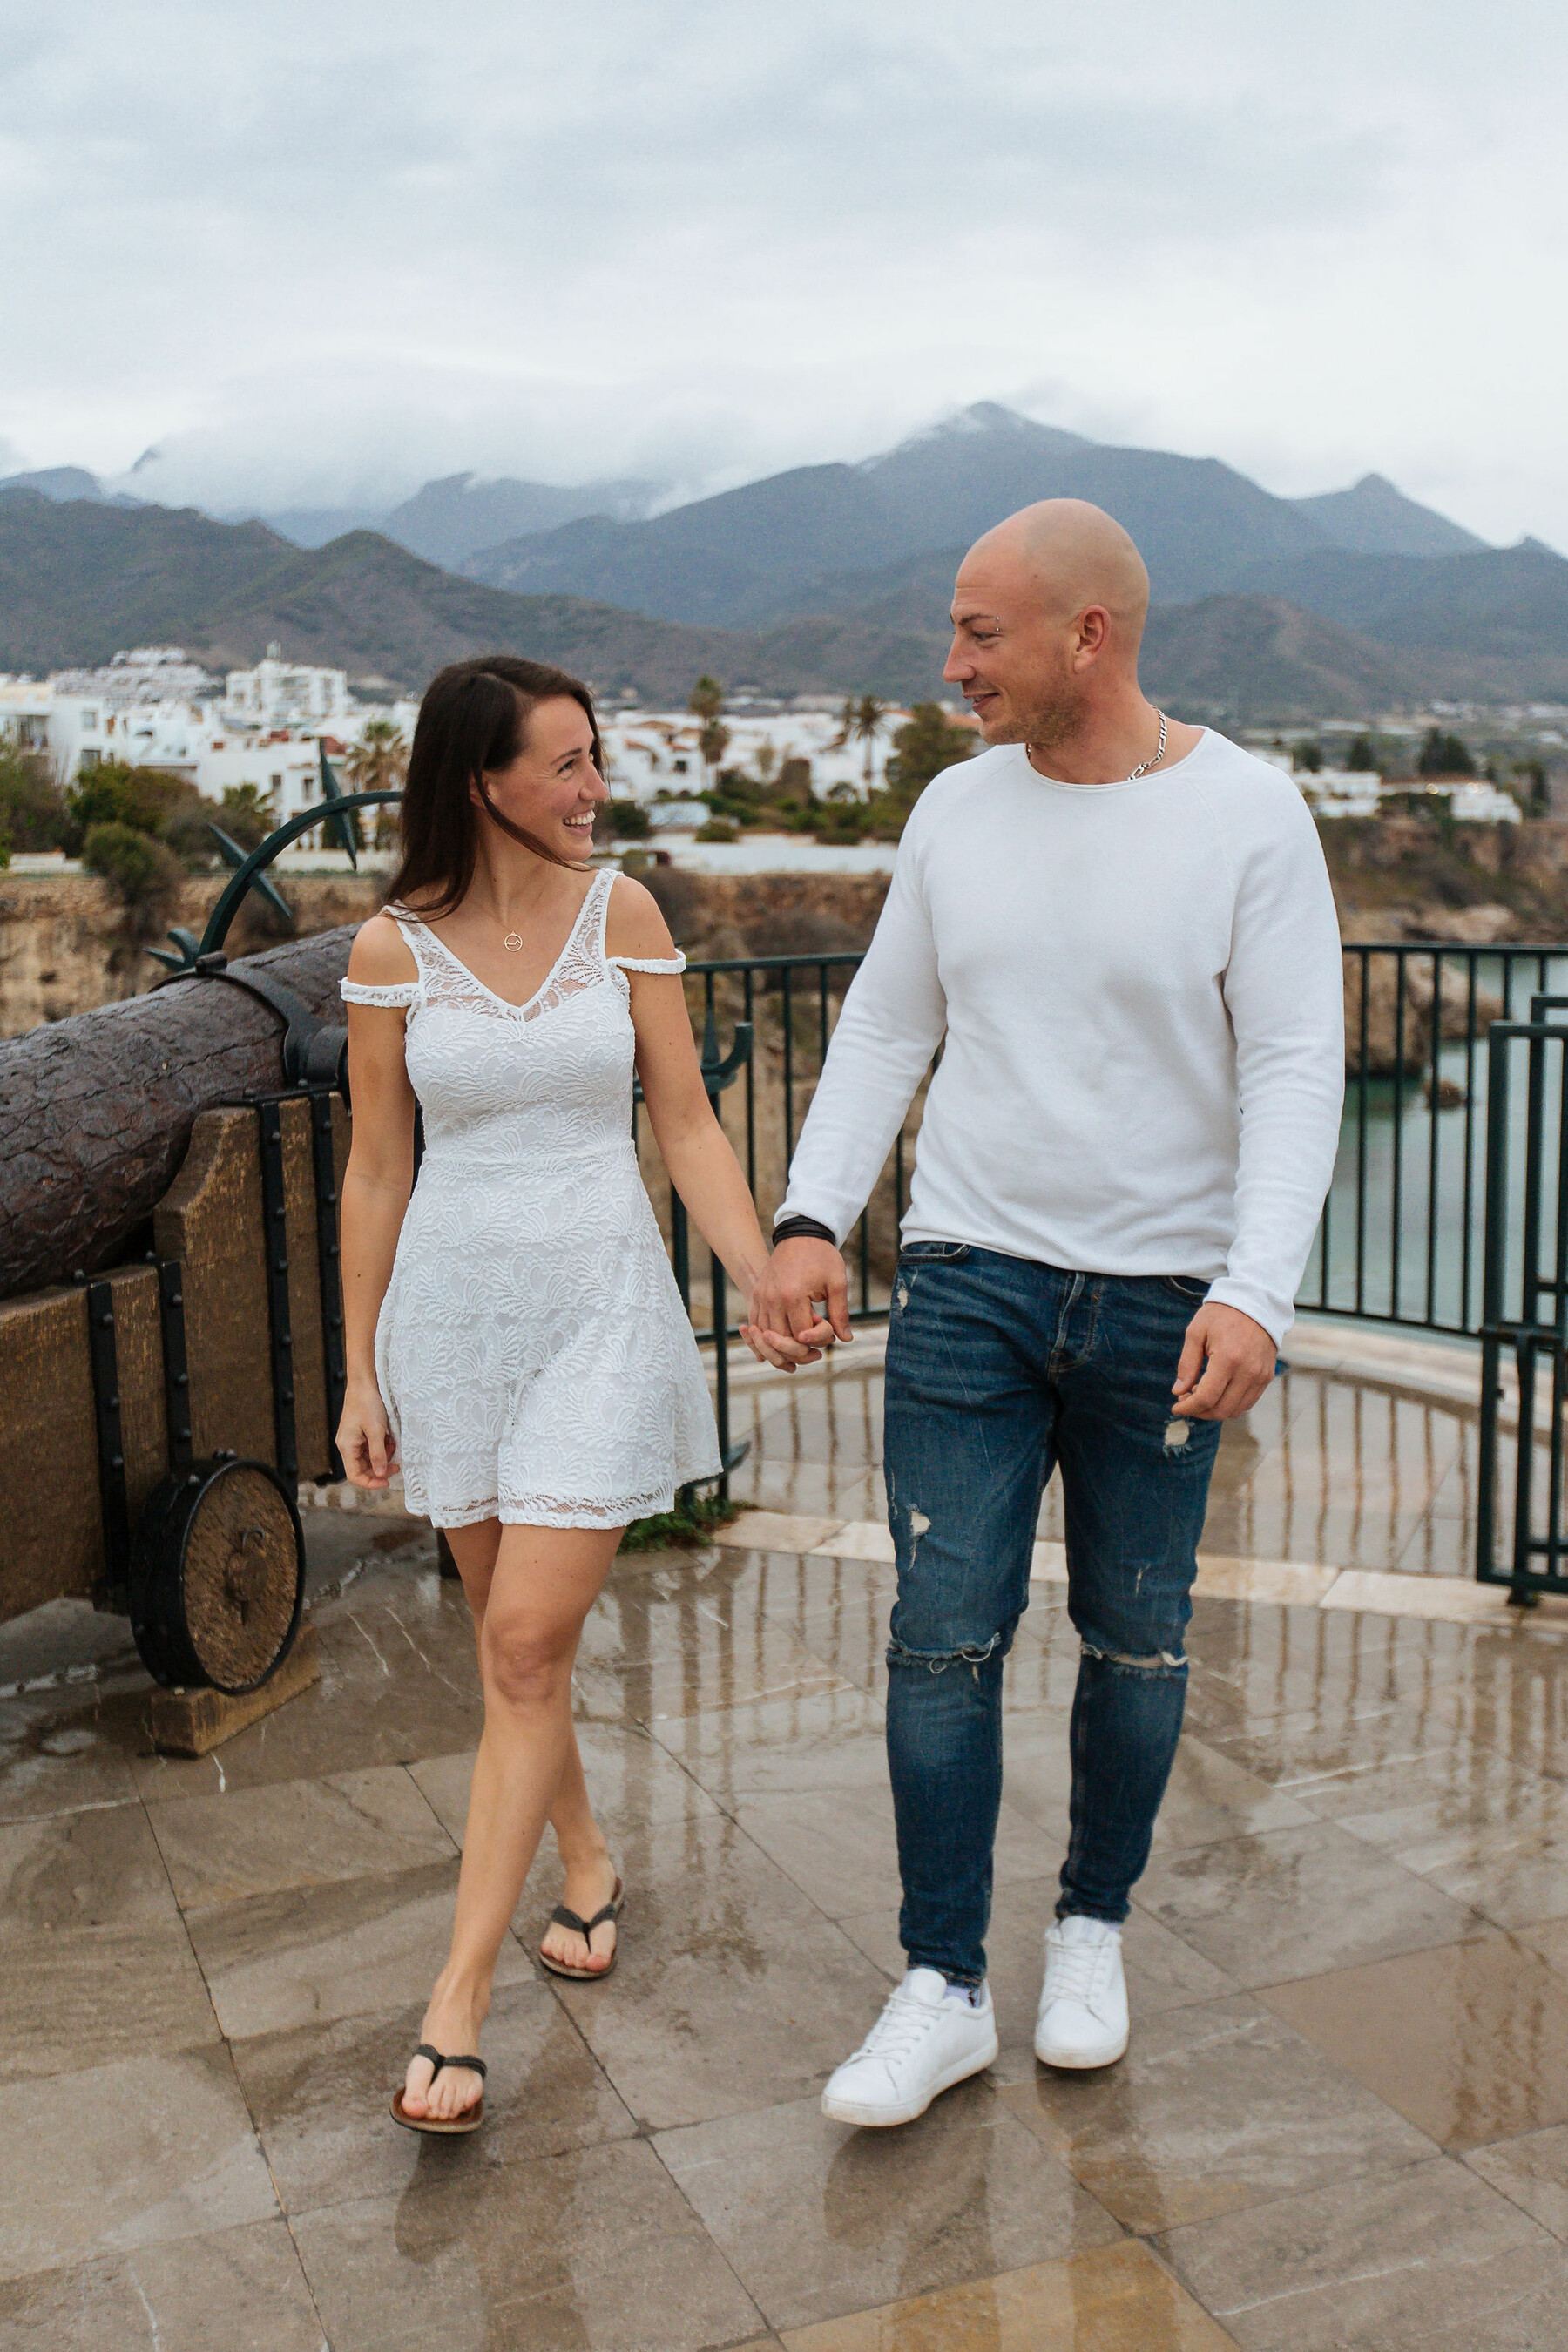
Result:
pixel 718 828
pixel 146 800
pixel 691 1523
pixel 628 820
pixel 926 743
pixel 145 871
pixel 32 809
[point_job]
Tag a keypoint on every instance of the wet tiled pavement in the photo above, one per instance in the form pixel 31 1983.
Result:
pixel 1342 2122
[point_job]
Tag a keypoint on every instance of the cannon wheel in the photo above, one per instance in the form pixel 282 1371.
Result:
pixel 217 1576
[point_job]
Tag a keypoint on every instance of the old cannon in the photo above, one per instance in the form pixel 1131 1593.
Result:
pixel 172 1340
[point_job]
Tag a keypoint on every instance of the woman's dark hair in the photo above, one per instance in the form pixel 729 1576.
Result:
pixel 473 719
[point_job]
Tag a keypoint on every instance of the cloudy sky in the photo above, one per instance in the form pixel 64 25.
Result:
pixel 319 250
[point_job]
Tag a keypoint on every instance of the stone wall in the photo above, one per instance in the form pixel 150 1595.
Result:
pixel 66 946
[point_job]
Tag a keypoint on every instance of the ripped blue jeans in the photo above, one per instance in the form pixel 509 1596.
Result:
pixel 998 1370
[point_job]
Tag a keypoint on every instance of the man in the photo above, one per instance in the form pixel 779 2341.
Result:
pixel 1120 929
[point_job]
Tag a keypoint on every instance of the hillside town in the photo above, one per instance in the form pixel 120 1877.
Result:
pixel 813 762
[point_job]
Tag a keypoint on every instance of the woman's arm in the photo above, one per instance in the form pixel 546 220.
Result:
pixel 376 1186
pixel 696 1150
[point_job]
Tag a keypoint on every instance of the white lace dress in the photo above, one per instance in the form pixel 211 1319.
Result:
pixel 533 1355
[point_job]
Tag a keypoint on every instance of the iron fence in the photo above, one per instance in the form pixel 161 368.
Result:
pixel 1403 1235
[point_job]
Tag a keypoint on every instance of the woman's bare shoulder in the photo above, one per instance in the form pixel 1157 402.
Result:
pixel 381 957
pixel 636 924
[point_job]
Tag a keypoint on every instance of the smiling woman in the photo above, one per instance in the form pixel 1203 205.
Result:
pixel 514 1333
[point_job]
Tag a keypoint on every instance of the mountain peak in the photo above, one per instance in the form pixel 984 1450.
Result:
pixel 982 418
pixel 1375 518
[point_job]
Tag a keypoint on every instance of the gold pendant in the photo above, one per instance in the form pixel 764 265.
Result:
pixel 513 941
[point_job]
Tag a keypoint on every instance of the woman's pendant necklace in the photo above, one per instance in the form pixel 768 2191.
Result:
pixel 513 941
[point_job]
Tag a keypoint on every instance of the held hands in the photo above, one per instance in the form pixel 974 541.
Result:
pixel 786 1329
pixel 365 1437
pixel 1240 1360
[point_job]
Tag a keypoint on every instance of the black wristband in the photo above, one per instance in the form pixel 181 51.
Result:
pixel 801 1229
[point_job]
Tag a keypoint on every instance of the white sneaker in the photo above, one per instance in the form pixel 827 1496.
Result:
pixel 922 2043
pixel 1083 2006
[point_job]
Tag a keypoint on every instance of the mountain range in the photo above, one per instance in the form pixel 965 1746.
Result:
pixel 750 555
pixel 825 578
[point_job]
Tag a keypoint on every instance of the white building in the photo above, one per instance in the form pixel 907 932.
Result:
pixel 285 694
pixel 650 751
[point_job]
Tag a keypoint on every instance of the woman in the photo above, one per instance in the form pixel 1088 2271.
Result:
pixel 514 1331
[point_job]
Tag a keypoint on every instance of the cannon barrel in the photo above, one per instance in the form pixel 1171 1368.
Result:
pixel 96 1111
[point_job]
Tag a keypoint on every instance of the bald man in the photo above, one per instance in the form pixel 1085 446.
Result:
pixel 1120 930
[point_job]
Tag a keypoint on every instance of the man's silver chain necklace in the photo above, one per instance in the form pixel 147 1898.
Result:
pixel 1158 754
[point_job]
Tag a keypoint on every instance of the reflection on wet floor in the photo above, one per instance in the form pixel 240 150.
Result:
pixel 1347 1472
pixel 1342 2120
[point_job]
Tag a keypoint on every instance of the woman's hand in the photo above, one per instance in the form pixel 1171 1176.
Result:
pixel 365 1441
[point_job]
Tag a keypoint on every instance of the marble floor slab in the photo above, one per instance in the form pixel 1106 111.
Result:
pixel 595 2249
pixel 1341 2125
pixel 1469 2040
pixel 1428 2256
pixel 237 2290
pixel 1216 2106
pixel 1115 2299
pixel 818 2221
pixel 123 2156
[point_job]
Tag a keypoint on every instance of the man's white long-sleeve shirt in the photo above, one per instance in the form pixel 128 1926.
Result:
pixel 1139 988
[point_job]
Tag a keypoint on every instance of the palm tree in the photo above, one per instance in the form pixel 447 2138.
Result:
pixel 866 721
pixel 379 763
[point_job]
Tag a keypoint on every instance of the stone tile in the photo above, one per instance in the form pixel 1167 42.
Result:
pixel 868 1540
pixel 312 1954
pixel 1496 1840
pixel 95 1869
pixel 727 1674
pixel 237 2290
pixel 1296 1903
pixel 1213 2107
pixel 1470 2040
pixel 839 1846
pixel 1292 1582
pixel 1550 1940
pixel 841 1429
pixel 319 2094
pixel 82 1996
pixel 283 1833
pixel 1113 2299
pixel 1332 1761
pixel 69 1750
pixel 123 2156
pixel 836 1491
pixel 1210 1796
pixel 592 2249
pixel 828 1738
pixel 818 2221
pixel 632 1783
pixel 1532 2172
pixel 1279 1669
pixel 731 1989
pixel 1428 2259
pixel 399 1680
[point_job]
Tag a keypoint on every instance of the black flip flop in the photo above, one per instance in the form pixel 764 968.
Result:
pixel 562 1918
pixel 471 2117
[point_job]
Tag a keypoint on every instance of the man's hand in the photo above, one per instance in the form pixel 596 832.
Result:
pixel 785 1327
pixel 1240 1363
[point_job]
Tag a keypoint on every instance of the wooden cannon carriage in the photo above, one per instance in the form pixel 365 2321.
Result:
pixel 157 1414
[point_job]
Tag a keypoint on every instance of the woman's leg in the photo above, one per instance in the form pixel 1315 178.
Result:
pixel 590 1874
pixel 544 1582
